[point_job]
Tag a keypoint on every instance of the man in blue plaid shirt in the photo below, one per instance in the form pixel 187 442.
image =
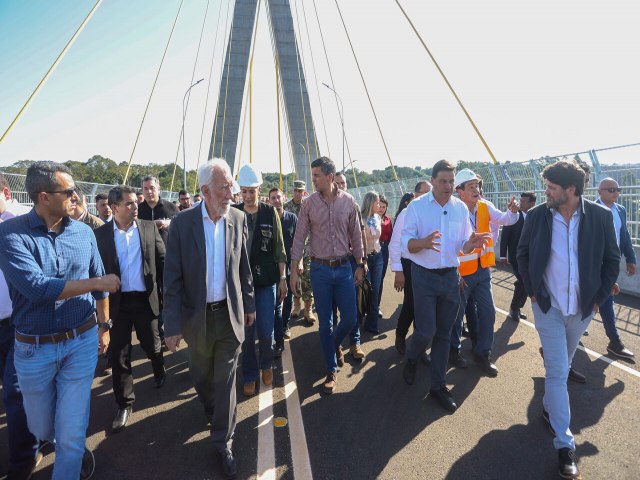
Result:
pixel 55 276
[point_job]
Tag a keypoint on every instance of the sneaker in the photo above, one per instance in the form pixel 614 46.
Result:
pixel 568 464
pixel 619 350
pixel 356 352
pixel 329 384
pixel 88 465
pixel 287 333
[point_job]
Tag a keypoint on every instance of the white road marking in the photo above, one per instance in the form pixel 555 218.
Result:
pixel 589 352
pixel 266 446
pixel 297 437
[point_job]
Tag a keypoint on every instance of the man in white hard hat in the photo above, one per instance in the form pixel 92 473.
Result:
pixel 475 272
pixel 268 261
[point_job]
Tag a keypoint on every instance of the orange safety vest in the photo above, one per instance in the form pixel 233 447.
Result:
pixel 469 261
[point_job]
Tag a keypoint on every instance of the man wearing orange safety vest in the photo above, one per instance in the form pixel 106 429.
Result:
pixel 475 273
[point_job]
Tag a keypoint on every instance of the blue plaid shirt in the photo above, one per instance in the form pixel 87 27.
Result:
pixel 37 264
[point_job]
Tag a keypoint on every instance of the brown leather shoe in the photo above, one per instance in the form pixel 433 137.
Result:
pixel 329 384
pixel 249 389
pixel 267 376
pixel 340 357
pixel 356 352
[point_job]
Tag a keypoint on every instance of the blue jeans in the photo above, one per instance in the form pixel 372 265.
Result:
pixel 22 444
pixel 374 262
pixel 265 298
pixel 478 285
pixel 385 264
pixel 55 379
pixel 609 320
pixel 329 284
pixel 282 314
pixel 354 334
pixel 559 336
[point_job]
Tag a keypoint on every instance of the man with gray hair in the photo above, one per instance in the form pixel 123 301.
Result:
pixel 209 299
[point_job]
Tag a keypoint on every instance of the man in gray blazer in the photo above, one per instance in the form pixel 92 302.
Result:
pixel 208 299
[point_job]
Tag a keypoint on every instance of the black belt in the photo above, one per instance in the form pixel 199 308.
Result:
pixel 213 306
pixel 333 263
pixel 133 294
pixel 371 254
pixel 440 271
pixel 58 337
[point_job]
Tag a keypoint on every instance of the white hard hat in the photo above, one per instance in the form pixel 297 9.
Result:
pixel 249 177
pixel 235 188
pixel 464 175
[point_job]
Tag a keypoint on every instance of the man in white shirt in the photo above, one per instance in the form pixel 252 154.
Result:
pixel 22 444
pixel 436 229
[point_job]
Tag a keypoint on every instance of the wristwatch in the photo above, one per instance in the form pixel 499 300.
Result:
pixel 108 325
pixel 283 277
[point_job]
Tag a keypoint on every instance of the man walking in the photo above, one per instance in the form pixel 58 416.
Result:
pixel 209 299
pixel 508 250
pixel 328 217
pixel 133 250
pixel 55 276
pixel 569 261
pixel 154 208
pixel 609 191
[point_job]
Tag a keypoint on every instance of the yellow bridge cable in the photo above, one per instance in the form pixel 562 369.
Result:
pixel 184 113
pixel 51 69
pixel 447 82
pixel 126 175
pixel 393 169
pixel 206 101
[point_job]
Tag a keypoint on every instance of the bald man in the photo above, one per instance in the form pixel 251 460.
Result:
pixel 608 192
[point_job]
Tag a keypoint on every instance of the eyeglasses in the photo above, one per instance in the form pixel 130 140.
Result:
pixel 68 192
pixel 612 190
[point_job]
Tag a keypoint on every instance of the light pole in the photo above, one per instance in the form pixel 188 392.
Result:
pixel 341 120
pixel 184 154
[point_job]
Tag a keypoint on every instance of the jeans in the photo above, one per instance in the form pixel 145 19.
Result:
pixel 265 298
pixel 282 314
pixel 354 334
pixel 609 320
pixel 22 444
pixel 385 264
pixel 374 262
pixel 436 302
pixel 559 336
pixel 55 379
pixel 478 285
pixel 331 284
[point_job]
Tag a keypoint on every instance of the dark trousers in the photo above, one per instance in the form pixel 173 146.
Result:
pixel 282 313
pixel 385 264
pixel 406 313
pixel 134 312
pixel 213 359
pixel 519 293
pixel 22 444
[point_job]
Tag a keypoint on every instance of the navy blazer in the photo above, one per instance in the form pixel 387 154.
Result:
pixel 598 254
pixel 626 247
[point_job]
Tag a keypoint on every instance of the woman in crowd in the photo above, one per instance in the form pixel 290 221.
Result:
pixel 385 238
pixel 372 232
pixel 402 268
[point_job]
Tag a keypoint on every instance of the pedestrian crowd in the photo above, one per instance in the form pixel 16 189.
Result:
pixel 229 271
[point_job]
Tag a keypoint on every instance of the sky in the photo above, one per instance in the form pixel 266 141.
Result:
pixel 539 77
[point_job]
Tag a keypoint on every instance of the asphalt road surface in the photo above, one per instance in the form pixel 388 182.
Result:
pixel 376 426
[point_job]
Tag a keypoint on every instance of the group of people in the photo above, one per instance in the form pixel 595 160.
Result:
pixel 226 274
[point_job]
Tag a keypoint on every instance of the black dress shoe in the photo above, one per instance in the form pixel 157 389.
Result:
pixel 444 398
pixel 409 371
pixel 401 344
pixel 278 348
pixel 487 365
pixel 425 358
pixel 160 379
pixel 121 420
pixel 576 376
pixel 228 465
pixel 568 464
pixel 457 360
pixel 88 465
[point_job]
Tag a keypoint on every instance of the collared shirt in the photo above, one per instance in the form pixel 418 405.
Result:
pixel 14 208
pixel 214 236
pixel 617 221
pixel 37 264
pixel 424 216
pixel 129 252
pixel 562 276
pixel 395 245
pixel 331 225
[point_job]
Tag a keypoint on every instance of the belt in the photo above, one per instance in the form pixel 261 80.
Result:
pixel 213 306
pixel 333 263
pixel 371 254
pixel 5 321
pixel 58 337
pixel 441 271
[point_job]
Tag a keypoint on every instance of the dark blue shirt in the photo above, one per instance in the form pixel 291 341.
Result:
pixel 37 264
pixel 288 222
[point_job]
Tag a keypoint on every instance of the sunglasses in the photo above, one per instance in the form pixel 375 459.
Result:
pixel 612 190
pixel 68 192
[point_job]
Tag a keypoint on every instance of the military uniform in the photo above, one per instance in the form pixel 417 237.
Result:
pixel 305 280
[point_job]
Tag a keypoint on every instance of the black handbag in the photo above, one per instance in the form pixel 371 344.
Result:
pixel 364 298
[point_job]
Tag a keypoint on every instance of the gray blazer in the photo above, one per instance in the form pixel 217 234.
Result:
pixel 185 273
pixel 598 254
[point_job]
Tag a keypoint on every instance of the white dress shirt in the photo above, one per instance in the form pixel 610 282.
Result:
pixel 424 216
pixel 562 276
pixel 395 244
pixel 214 236
pixel 14 208
pixel 129 252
